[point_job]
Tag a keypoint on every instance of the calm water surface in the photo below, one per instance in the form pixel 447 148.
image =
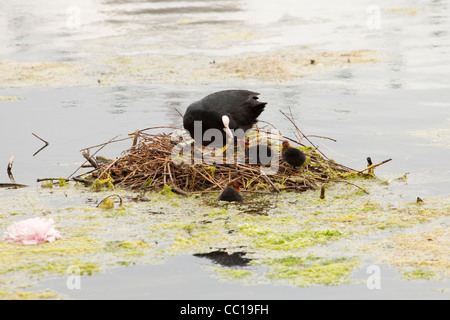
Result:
pixel 398 108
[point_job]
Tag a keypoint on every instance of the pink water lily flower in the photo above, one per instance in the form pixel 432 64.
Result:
pixel 32 231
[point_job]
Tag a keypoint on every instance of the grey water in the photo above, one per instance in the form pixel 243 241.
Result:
pixel 398 108
pixel 170 282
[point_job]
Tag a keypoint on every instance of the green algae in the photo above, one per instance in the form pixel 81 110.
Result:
pixel 311 270
pixel 7 98
pixel 100 184
pixel 29 295
pixel 419 274
pixel 232 274
pixel 294 238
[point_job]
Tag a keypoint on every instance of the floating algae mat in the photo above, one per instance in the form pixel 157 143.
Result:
pixel 286 64
pixel 288 238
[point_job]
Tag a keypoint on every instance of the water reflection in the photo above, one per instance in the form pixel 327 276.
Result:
pixel 226 259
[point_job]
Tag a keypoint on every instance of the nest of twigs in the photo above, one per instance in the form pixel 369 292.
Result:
pixel 149 165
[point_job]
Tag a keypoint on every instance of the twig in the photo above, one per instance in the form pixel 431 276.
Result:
pixel 8 169
pixel 295 125
pixel 113 195
pixel 270 182
pixel 268 123
pixel 178 112
pixel 321 137
pixel 363 190
pixel 46 143
pixel 373 166
pixel 91 160
pixel 12 185
pixel 161 127
pixel 136 136
pixel 322 192
pixel 174 188
pixel 51 179
pixel 104 145
pixel 34 134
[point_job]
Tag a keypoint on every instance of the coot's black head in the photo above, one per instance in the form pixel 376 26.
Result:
pixel 209 120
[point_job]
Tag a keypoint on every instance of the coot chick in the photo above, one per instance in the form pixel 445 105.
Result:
pixel 291 155
pixel 224 110
pixel 258 154
pixel 231 192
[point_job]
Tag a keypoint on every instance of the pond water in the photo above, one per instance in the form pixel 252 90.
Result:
pixel 80 73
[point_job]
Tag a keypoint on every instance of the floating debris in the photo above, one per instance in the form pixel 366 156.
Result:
pixel 32 231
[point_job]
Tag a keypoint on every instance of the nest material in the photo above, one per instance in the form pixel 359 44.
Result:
pixel 148 165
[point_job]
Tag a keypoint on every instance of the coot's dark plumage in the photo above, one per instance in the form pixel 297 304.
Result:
pixel 291 155
pixel 231 192
pixel 224 110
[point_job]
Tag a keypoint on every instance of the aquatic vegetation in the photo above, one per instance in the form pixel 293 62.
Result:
pixel 405 11
pixel 231 274
pixel 6 98
pixel 290 238
pixel 100 184
pixel 311 270
pixel 20 73
pixel 29 295
pixel 419 274
pixel 419 255
pixel 285 64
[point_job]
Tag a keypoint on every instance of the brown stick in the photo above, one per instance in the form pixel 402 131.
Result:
pixel 178 112
pixel 104 145
pixel 136 136
pixel 322 192
pixel 91 160
pixel 34 134
pixel 8 169
pixel 373 166
pixel 12 185
pixel 271 183
pixel 295 125
pixel 174 188
pixel 46 143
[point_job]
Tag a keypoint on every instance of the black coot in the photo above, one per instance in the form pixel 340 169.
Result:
pixel 291 155
pixel 224 110
pixel 231 192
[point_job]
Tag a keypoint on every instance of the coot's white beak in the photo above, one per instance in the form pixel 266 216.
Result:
pixel 226 124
